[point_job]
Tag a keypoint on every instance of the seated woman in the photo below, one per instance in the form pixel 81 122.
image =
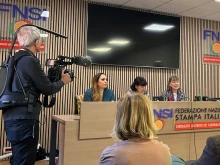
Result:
pixel 138 86
pixel 99 90
pixel 173 92
pixel 135 127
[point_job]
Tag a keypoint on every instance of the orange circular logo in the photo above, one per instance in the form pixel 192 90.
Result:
pixel 216 47
pixel 18 24
pixel 159 123
pixel 15 25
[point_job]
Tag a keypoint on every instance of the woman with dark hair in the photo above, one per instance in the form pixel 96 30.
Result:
pixel 99 90
pixel 138 86
pixel 173 92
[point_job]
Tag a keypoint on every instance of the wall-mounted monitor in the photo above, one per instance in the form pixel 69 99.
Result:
pixel 124 37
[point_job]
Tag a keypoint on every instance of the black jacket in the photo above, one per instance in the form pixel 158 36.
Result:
pixel 210 154
pixel 31 75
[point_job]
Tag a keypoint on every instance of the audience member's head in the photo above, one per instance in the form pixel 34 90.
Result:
pixel 134 118
pixel 135 128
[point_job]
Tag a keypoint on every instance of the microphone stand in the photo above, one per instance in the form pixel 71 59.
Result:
pixel 41 28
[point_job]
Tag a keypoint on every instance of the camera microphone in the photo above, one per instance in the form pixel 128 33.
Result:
pixel 82 60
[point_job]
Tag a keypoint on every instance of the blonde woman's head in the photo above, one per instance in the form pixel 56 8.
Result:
pixel 134 118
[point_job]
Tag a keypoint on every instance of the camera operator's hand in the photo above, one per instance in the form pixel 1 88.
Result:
pixel 65 77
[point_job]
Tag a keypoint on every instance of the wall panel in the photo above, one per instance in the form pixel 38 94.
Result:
pixel 69 17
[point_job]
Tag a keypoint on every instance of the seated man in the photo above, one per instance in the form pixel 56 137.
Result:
pixel 211 153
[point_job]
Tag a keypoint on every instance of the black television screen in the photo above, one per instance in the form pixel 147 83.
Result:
pixel 118 36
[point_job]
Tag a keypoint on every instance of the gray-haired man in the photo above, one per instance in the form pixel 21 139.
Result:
pixel 21 125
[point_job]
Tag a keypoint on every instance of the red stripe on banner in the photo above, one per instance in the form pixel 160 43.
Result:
pixel 209 59
pixel 196 125
pixel 5 44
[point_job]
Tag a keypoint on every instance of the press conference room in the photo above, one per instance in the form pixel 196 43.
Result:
pixel 157 58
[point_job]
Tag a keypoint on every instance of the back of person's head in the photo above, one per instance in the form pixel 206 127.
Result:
pixel 171 78
pixel 138 81
pixel 27 35
pixel 134 118
pixel 96 94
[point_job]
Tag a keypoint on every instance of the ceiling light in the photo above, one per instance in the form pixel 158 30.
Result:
pixel 217 0
pixel 118 42
pixel 158 27
pixel 100 49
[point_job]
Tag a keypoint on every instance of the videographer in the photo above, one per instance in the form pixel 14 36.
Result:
pixel 22 123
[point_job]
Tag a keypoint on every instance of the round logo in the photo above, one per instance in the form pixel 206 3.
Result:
pixel 159 123
pixel 215 47
pixel 16 24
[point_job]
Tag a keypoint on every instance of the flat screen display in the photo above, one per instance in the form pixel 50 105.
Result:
pixel 124 37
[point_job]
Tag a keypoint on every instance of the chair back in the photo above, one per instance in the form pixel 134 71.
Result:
pixel 78 98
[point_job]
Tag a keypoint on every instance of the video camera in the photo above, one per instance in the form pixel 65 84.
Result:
pixel 57 65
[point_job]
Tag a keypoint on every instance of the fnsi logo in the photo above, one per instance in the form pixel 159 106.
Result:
pixel 20 14
pixel 25 12
pixel 212 36
pixel 211 46
pixel 160 115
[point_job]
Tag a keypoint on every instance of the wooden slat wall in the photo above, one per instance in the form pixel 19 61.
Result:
pixel 69 17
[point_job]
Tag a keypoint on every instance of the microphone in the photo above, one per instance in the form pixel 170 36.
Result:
pixel 82 60
pixel 186 98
